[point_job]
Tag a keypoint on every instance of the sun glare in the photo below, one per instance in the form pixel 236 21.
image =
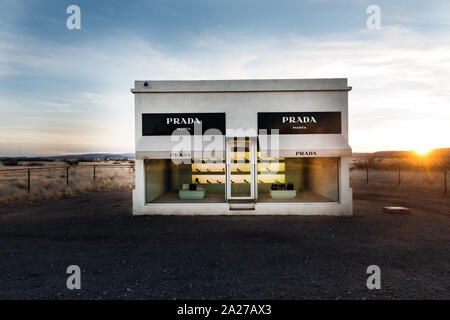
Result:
pixel 422 150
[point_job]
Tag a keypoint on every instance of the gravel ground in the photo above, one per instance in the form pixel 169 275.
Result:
pixel 261 257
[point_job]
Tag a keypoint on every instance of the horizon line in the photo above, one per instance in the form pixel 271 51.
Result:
pixel 123 153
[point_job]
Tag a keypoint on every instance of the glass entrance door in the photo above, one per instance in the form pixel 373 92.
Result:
pixel 241 154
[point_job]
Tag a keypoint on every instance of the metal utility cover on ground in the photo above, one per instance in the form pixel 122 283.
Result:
pixel 396 210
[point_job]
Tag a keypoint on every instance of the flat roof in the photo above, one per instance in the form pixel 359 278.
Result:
pixel 244 85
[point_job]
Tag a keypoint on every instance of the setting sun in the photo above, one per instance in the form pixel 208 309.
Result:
pixel 422 150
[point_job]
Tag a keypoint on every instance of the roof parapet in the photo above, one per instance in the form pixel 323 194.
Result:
pixel 248 85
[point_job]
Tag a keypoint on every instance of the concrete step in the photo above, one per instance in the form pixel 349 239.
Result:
pixel 241 205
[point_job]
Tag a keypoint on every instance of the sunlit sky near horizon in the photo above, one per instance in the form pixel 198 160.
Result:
pixel 68 91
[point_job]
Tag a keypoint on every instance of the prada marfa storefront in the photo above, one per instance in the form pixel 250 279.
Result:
pixel 242 147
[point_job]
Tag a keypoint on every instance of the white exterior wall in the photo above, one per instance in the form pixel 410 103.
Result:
pixel 241 101
pixel 241 107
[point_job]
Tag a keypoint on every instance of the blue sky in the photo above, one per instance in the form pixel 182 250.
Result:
pixel 67 91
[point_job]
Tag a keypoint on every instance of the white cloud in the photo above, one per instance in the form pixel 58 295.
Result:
pixel 399 77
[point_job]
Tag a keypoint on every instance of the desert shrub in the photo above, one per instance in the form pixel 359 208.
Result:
pixel 359 165
pixel 10 162
pixel 19 185
pixel 34 164
pixel 71 162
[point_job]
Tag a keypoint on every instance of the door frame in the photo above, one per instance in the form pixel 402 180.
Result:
pixel 253 153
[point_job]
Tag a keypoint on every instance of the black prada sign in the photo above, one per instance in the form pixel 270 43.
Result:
pixel 300 122
pixel 164 124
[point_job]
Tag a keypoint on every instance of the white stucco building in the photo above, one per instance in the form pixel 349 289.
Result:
pixel 242 147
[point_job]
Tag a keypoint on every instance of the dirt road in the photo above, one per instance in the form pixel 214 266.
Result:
pixel 261 257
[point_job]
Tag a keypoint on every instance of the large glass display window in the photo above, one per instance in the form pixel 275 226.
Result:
pixel 298 179
pixel 199 180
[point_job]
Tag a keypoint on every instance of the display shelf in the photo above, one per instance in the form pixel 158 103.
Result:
pixel 208 172
pixel 202 168
pixel 272 178
pixel 240 172
pixel 271 160
pixel 237 172
pixel 208 165
pixel 271 167
pixel 213 179
pixel 270 172
pixel 196 160
pixel 210 162
pixel 240 180
pixel 232 172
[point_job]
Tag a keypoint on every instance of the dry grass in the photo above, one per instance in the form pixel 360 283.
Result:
pixel 409 179
pixel 416 173
pixel 52 183
pixel 49 184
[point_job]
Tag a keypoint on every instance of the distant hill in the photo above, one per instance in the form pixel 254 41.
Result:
pixel 93 155
pixel 440 153
pixel 434 153
pixel 394 154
